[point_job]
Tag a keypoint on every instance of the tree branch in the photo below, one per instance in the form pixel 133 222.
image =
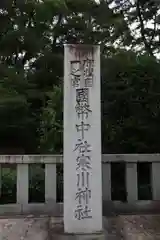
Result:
pixel 142 29
pixel 154 30
pixel 56 34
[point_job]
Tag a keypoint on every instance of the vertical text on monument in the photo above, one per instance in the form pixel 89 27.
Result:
pixel 83 194
pixel 82 70
pixel 82 89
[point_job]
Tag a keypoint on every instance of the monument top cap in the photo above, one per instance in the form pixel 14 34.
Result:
pixel 81 45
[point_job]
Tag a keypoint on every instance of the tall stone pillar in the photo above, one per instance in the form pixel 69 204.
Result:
pixel 82 140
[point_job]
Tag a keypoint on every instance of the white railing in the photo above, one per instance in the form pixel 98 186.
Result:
pixel 50 161
pixel 22 205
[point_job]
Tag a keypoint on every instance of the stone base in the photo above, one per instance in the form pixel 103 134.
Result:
pixel 63 236
pixel 57 232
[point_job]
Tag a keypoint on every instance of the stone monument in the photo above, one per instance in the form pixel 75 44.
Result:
pixel 82 140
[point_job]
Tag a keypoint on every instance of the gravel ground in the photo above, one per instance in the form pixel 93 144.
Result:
pixel 140 227
pixel 23 229
pixel 128 227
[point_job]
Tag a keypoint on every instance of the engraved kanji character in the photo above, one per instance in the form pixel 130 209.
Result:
pixel 88 66
pixel 83 179
pixel 83 195
pixel 82 102
pixel 75 73
pixel 82 128
pixel 83 162
pixel 82 212
pixel 82 146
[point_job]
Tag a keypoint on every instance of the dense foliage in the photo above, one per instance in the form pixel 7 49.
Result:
pixel 32 34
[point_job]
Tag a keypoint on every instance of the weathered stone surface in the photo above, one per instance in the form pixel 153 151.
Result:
pixel 81 149
pixel 144 227
pixel 109 231
pixel 136 227
pixel 27 228
pixel 49 228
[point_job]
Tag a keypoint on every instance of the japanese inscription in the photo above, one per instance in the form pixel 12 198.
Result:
pixel 82 81
pixel 82 139
pixel 82 212
pixel 83 162
pixel 82 71
pixel 82 127
pixel 83 195
pixel 82 146
pixel 75 73
pixel 88 72
pixel 83 179
pixel 82 102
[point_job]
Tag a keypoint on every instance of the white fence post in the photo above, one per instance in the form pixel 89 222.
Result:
pixel 156 180
pixel 22 184
pixel 131 182
pixel 50 183
pixel 106 181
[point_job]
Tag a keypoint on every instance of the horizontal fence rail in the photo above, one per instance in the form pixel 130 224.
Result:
pixel 130 178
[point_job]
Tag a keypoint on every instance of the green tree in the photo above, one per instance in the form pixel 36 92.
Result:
pixel 143 19
pixel 32 34
pixel 130 103
pixel 51 125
